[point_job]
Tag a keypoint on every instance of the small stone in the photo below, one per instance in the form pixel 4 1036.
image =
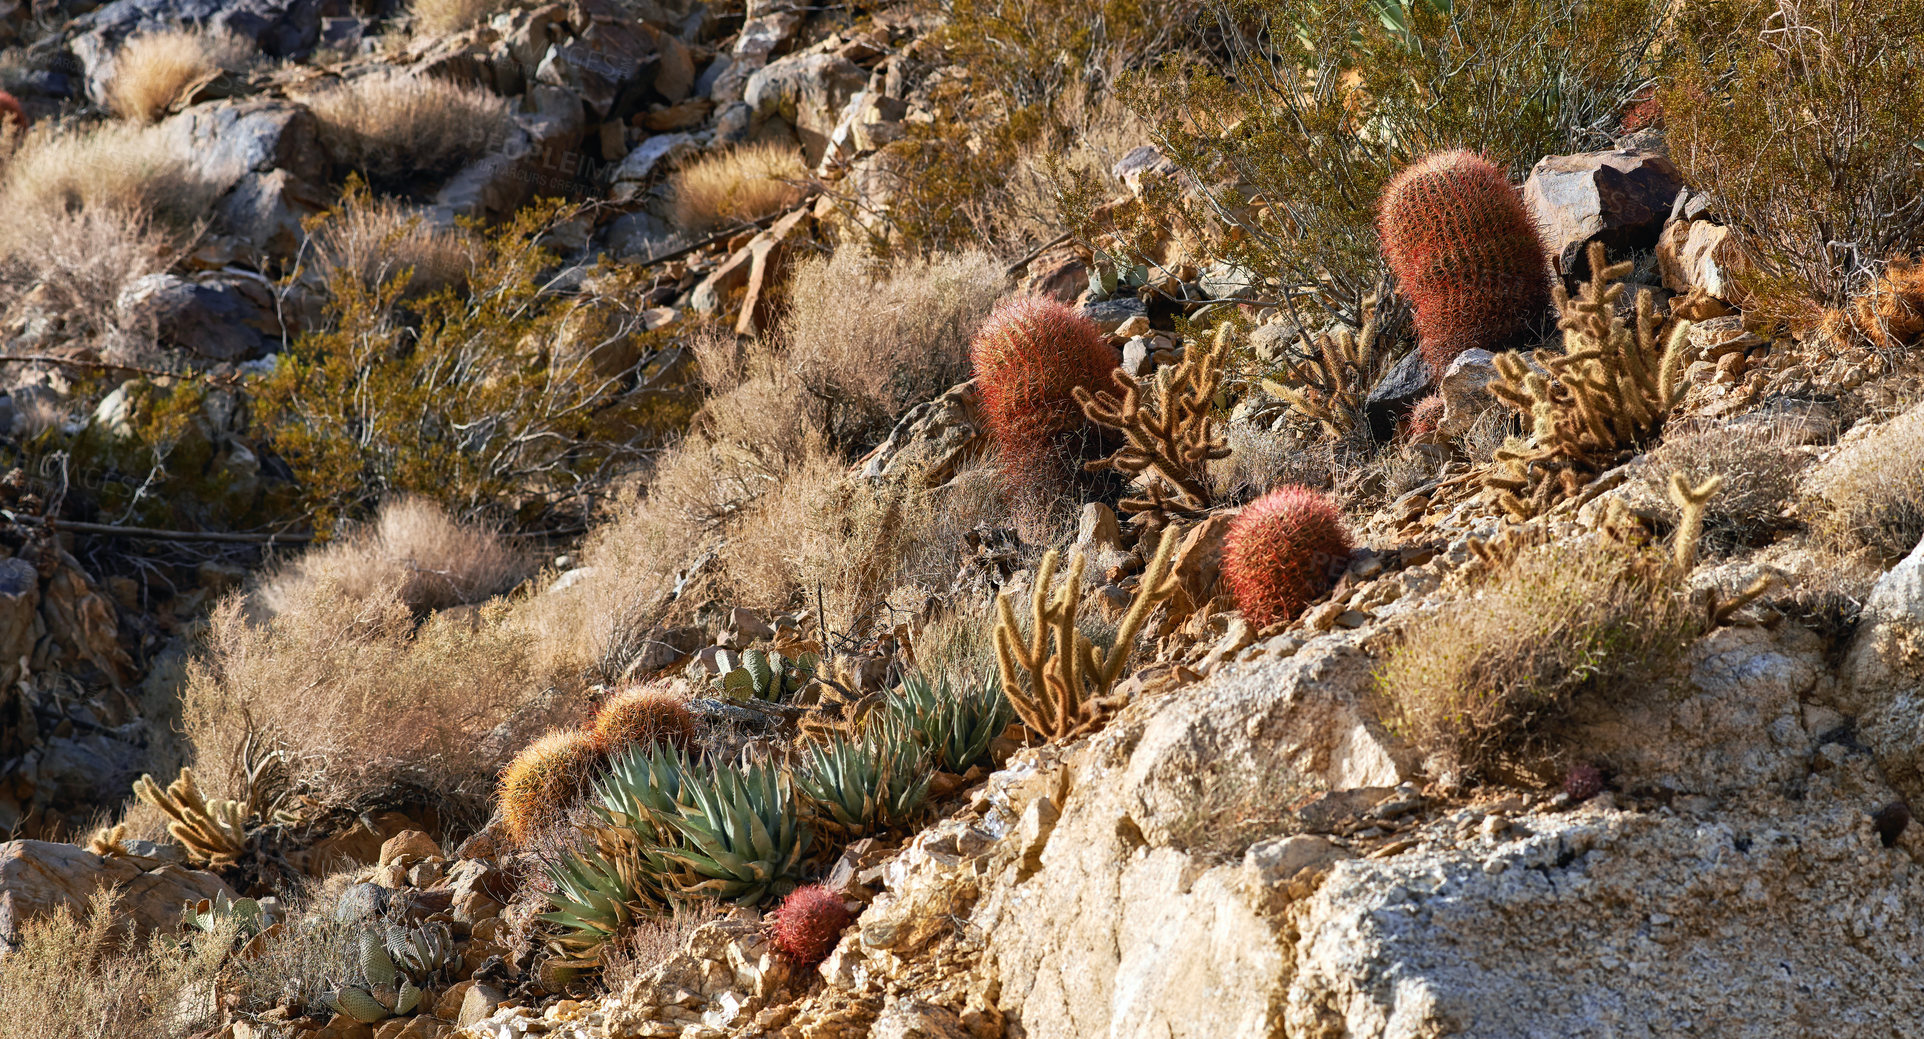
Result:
pixel 1135 326
pixel 479 1002
pixel 409 842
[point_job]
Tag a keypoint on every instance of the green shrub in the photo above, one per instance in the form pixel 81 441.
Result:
pixel 1293 135
pixel 476 406
pixel 1802 119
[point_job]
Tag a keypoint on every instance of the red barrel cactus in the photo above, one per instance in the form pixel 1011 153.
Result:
pixel 809 922
pixel 1029 357
pixel 1467 254
pixel 1283 550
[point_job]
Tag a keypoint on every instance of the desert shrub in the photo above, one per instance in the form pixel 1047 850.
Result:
pixel 414 548
pixel 1018 89
pixel 1798 117
pixel 81 977
pixel 1292 134
pixel 371 705
pixel 374 240
pixel 81 261
pixel 440 17
pixel 400 130
pixel 870 341
pixel 1869 497
pixel 152 69
pixel 1759 461
pixel 1481 685
pixel 736 186
pixel 472 406
pixel 116 170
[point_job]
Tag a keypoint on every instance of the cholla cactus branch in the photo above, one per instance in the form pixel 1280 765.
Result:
pixel 1609 392
pixel 1334 376
pixel 213 832
pixel 1071 682
pixel 1691 529
pixel 1170 437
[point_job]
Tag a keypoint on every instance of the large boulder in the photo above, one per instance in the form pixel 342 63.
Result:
pixel 38 877
pixel 280 28
pixel 808 93
pixel 1883 674
pixel 931 442
pixel 1408 381
pixel 1702 255
pixel 265 159
pixel 1619 198
pixel 214 316
pixel 608 57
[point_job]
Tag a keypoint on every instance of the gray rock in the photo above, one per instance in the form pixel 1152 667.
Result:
pixel 806 92
pixel 1225 280
pixel 218 317
pixel 1142 162
pixel 265 159
pixel 650 160
pixel 1465 389
pixel 1137 356
pixel 1110 314
pixel 1884 674
pixel 597 65
pixel 1619 198
pixel 1407 382
pixel 931 442
pixel 280 28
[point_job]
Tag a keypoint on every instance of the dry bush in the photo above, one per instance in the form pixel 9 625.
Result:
pixel 298 962
pixel 81 978
pixel 373 240
pixel 1800 117
pixel 400 130
pixel 80 262
pixel 441 17
pixel 1481 685
pixel 1759 462
pixel 650 942
pixel 869 340
pixel 1869 497
pixel 736 186
pixel 152 69
pixel 112 169
pixel 414 548
pixel 371 707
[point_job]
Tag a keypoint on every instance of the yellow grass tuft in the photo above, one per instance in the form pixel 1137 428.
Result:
pixel 736 186
pixel 152 69
pixel 399 129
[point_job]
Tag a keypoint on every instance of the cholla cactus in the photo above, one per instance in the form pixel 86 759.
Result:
pixel 213 832
pixel 543 780
pixel 1467 254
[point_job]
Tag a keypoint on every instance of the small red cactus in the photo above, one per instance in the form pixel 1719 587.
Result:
pixel 1284 549
pixel 1426 416
pixel 11 114
pixel 1467 254
pixel 544 779
pixel 809 922
pixel 1584 782
pixel 642 716
pixel 1029 357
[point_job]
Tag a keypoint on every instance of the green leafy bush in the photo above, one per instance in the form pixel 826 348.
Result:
pixel 475 405
pixel 1802 119
pixel 1311 108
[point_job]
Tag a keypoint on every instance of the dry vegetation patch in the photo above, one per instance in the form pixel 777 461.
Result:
pixel 399 129
pixel 440 17
pixel 870 339
pixel 1868 499
pixel 413 548
pixel 1481 684
pixel 736 186
pixel 152 69
pixel 111 169
pixel 375 240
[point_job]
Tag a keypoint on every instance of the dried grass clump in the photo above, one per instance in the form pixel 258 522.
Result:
pixel 374 240
pixel 1759 462
pixel 650 942
pixel 414 548
pixel 82 977
pixel 870 340
pixel 80 262
pixel 113 169
pixel 371 705
pixel 401 130
pixel 1868 499
pixel 441 17
pixel 736 186
pixel 152 70
pixel 1481 685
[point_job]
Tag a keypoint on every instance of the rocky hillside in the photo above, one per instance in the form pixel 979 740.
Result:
pixel 984 519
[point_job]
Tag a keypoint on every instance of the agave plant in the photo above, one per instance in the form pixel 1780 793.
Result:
pixel 597 891
pixel 955 725
pixel 868 783
pixel 704 829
